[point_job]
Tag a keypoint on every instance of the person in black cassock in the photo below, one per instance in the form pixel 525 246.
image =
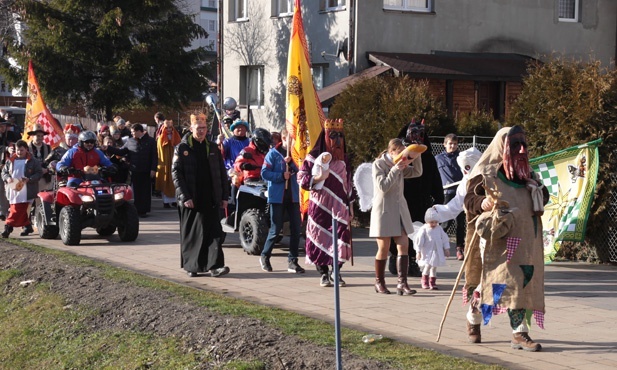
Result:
pixel 201 185
pixel 421 193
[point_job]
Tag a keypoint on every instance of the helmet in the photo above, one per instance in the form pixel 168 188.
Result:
pixel 85 136
pixel 262 139
pixel 229 103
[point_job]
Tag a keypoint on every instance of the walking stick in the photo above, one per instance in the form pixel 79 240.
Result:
pixel 458 279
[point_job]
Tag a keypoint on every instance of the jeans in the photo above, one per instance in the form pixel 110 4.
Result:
pixel 277 211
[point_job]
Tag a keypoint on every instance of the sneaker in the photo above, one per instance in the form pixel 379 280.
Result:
pixel 325 281
pixel 341 282
pixel 294 267
pixel 522 341
pixel 27 230
pixel 219 271
pixel 264 261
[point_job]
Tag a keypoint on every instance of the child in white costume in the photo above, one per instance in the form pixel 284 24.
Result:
pixel 432 246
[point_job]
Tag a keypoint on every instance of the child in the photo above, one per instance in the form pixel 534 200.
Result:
pixel 21 174
pixel 432 245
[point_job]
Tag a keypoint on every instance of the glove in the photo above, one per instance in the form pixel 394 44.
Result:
pixel 64 171
pixel 247 155
pixel 247 167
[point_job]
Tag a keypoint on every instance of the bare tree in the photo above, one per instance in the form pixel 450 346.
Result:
pixel 249 40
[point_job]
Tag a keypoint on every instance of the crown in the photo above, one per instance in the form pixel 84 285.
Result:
pixel 333 124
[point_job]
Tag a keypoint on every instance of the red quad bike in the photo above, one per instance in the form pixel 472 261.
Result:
pixel 94 203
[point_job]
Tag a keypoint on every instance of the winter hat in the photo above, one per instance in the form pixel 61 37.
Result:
pixel 239 122
pixel 430 215
pixel 467 159
pixel 104 128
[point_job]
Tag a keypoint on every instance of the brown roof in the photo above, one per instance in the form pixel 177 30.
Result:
pixel 327 94
pixel 456 66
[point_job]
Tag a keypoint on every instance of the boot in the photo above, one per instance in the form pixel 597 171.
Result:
pixel 473 333
pixel 402 262
pixel 380 282
pixel 7 231
pixel 521 340
pixel 414 269
pixel 27 230
pixel 460 254
pixel 424 282
pixel 432 283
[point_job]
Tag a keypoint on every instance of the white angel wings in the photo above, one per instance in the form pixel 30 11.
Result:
pixel 363 181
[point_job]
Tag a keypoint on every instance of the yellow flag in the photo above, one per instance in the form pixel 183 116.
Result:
pixel 304 115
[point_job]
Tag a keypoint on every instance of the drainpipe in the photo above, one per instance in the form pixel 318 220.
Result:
pixel 351 52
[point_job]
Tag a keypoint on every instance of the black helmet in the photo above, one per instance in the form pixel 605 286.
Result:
pixel 262 139
pixel 86 136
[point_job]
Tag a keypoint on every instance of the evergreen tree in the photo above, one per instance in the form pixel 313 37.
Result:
pixel 109 55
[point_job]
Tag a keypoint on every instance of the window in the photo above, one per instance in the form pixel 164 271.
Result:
pixel 335 4
pixel 211 45
pixel 252 86
pixel 238 10
pixel 284 7
pixel 568 10
pixel 409 5
pixel 318 75
pixel 212 25
pixel 213 3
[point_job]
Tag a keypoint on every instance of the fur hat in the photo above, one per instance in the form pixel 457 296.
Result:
pixel 430 215
pixel 467 159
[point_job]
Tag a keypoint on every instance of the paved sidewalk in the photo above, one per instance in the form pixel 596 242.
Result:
pixel 581 299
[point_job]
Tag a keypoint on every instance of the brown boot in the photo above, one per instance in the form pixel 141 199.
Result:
pixel 521 340
pixel 432 282
pixel 380 282
pixel 402 263
pixel 473 333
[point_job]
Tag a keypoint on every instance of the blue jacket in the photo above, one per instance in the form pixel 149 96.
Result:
pixel 449 170
pixel 272 170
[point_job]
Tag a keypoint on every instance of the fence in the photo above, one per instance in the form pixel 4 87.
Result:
pixel 607 249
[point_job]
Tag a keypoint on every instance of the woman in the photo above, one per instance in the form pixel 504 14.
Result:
pixel 115 140
pixel 390 216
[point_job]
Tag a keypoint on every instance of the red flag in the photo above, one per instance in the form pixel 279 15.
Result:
pixel 38 113
pixel 304 116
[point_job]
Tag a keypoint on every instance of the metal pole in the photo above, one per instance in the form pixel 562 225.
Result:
pixel 337 307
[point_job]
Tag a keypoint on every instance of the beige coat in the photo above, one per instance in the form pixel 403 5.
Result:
pixel 390 215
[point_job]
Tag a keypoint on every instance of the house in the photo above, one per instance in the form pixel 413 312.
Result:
pixel 474 53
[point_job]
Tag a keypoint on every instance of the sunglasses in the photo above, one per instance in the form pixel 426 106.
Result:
pixel 90 141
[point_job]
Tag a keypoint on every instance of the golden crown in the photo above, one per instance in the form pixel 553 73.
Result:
pixel 334 124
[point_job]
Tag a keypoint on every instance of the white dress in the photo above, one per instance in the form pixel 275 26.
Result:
pixel 431 243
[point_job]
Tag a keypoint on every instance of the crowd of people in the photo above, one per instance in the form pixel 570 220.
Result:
pixel 198 175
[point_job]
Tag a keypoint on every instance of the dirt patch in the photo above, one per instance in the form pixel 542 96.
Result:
pixel 125 306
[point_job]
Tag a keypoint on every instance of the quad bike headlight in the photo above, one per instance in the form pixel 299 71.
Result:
pixel 119 196
pixel 87 198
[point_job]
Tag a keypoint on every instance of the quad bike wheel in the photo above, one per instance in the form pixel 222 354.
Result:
pixel 253 231
pixel 106 231
pixel 128 227
pixel 69 224
pixel 45 231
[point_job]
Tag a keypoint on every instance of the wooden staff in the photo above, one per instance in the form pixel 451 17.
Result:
pixel 288 145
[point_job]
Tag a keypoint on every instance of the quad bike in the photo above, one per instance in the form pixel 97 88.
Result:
pixel 67 210
pixel 251 217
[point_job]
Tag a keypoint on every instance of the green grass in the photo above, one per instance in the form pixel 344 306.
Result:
pixel 37 332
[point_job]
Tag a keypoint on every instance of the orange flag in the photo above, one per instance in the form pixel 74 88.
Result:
pixel 38 113
pixel 304 115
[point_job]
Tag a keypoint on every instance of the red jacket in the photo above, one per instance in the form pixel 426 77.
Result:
pixel 250 168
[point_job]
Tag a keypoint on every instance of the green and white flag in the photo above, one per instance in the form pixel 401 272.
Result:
pixel 570 176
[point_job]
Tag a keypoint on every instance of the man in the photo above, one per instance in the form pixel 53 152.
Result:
pixel 71 133
pixel 159 120
pixel 21 174
pixel 40 151
pixel 231 147
pixel 201 190
pixel 283 196
pixel 7 139
pixel 140 150
pixel 451 174
pixel 505 267
pixel 83 154
pixel 335 194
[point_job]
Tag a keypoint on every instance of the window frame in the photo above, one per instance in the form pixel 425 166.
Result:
pixel 290 8
pixel 409 8
pixel 577 4
pixel 340 5
pixel 245 93
pixel 318 72
pixel 235 15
